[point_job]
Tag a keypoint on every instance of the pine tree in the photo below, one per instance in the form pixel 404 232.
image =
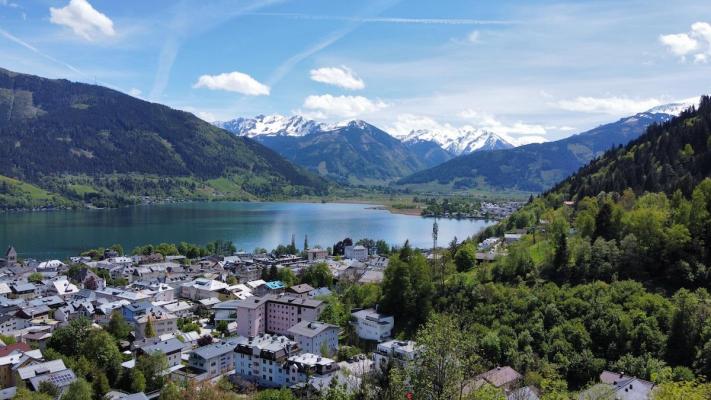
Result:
pixel 149 331
pixel 306 242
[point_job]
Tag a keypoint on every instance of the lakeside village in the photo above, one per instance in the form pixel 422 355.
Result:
pixel 252 321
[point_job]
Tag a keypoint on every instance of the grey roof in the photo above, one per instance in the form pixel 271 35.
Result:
pixel 302 288
pixel 22 287
pixel 217 349
pixel 60 379
pixel 167 346
pixel 227 305
pixel 310 328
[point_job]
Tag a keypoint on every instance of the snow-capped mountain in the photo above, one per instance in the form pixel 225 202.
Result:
pixel 673 108
pixel 460 141
pixel 272 125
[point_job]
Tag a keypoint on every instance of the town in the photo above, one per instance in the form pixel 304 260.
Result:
pixel 245 321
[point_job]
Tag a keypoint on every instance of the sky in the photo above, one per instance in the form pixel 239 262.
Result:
pixel 528 70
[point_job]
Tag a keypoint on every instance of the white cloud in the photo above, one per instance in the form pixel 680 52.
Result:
pixel 342 106
pixel 206 116
pixel 473 37
pixel 233 82
pixel 83 19
pixel 608 105
pixel 696 42
pixel 490 123
pixel 343 77
pixel 134 92
pixel 680 44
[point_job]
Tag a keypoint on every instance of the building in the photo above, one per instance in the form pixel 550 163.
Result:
pixel 371 325
pixel 10 259
pixel 138 315
pixel 214 359
pixel 358 252
pixel 301 290
pixel 303 367
pixel 202 289
pixel 263 360
pixel 394 350
pixel 172 348
pixel 620 386
pixel 273 287
pixel 316 337
pixel 316 254
pixel 505 378
pixel 53 371
pixel 13 357
pixel 274 314
pixel 24 291
pixel 62 288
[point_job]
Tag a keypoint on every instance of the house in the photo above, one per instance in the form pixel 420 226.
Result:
pixel 105 311
pixel 274 313
pixel 24 291
pixel 273 287
pixel 54 371
pixel 303 367
pixel 13 357
pixel 371 325
pixel 316 254
pixel 505 378
pixel 316 337
pixel 620 386
pixel 301 290
pixel 172 348
pixel 263 359
pixel 524 393
pixel 180 308
pixel 214 359
pixel 512 237
pixel 74 309
pixel 394 350
pixel 358 252
pixel 202 288
pixel 226 311
pixel 163 322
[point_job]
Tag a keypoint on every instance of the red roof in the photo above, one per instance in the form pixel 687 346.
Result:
pixel 23 347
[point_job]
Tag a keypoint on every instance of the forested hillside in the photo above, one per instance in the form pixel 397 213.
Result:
pixel 618 278
pixel 670 156
pixel 54 129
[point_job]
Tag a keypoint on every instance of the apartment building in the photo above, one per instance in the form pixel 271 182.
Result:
pixel 316 337
pixel 274 314
pixel 371 325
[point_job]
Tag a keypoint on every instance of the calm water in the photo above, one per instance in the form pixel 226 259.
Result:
pixel 60 234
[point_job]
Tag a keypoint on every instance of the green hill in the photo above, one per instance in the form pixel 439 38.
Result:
pixel 56 133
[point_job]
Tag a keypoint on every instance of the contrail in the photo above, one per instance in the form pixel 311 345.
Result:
pixel 391 20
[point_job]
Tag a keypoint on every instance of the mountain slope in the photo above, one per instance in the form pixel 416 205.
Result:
pixel 272 125
pixel 428 151
pixel 357 153
pixel 460 141
pixel 675 155
pixel 535 167
pixel 53 128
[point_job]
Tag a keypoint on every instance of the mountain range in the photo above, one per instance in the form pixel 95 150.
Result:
pixel 85 142
pixel 536 167
pixel 356 152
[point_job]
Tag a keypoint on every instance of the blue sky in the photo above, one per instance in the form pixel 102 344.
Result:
pixel 526 69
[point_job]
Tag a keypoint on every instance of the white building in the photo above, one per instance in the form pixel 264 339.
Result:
pixel 314 336
pixel 394 350
pixel 214 359
pixel 371 325
pixel 263 360
pixel 358 252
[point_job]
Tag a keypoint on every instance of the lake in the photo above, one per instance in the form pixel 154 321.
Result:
pixel 60 234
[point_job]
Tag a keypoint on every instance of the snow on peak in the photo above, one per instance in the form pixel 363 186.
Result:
pixel 270 125
pixel 459 141
pixel 673 108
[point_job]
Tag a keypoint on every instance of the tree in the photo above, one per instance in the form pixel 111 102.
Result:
pixel 222 328
pixel 49 388
pixel 447 359
pixel 603 222
pixel 152 366
pixel 204 340
pixel 148 330
pixel 25 394
pixel 100 384
pixel 317 275
pixel 35 277
pixel 275 394
pixel 78 390
pixel 138 381
pixel 561 255
pixel 69 340
pixel 118 327
pixel 170 392
pixel 465 257
pixel 407 291
pixel 100 349
pixel 682 390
